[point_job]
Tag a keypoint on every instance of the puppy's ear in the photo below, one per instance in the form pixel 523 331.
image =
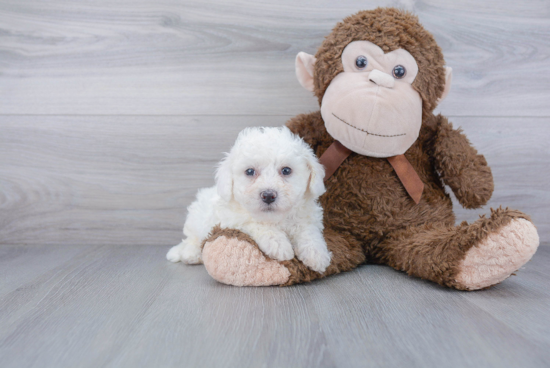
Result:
pixel 224 180
pixel 316 184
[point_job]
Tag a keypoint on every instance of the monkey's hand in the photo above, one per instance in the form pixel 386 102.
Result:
pixel 461 167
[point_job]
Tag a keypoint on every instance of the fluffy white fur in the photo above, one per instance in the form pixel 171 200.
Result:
pixel 291 225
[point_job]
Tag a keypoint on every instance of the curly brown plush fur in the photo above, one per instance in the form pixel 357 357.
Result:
pixel 366 203
pixel 368 215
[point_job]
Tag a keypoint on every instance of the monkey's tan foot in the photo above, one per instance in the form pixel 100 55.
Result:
pixel 499 254
pixel 232 257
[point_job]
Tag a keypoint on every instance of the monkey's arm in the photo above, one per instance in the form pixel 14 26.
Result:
pixel 461 167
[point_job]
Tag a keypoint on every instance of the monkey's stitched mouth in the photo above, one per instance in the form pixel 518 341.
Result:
pixel 365 131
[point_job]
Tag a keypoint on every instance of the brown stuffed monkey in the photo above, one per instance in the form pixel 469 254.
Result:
pixel 378 77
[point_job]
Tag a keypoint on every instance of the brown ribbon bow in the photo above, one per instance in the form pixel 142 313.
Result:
pixel 333 157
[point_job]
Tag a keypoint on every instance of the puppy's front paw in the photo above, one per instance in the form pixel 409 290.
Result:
pixel 276 246
pixel 316 259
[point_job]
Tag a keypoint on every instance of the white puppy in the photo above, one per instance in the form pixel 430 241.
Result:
pixel 267 186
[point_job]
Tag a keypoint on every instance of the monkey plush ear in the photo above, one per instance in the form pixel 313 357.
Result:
pixel 448 79
pixel 304 70
pixel 224 180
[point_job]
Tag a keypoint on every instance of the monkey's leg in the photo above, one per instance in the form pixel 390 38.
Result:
pixel 232 257
pixel 466 257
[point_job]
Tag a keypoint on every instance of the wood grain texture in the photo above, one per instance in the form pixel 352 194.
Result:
pixel 173 57
pixel 127 180
pixel 126 306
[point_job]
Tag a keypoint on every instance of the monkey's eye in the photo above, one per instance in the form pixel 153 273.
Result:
pixel 286 170
pixel 399 71
pixel 361 62
pixel 250 172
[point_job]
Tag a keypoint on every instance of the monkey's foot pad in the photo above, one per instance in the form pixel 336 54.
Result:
pixel 501 253
pixel 237 262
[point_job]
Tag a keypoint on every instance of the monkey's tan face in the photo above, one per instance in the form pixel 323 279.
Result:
pixel 371 107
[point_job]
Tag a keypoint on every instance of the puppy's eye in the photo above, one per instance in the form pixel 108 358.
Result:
pixel 399 71
pixel 361 62
pixel 286 171
pixel 250 172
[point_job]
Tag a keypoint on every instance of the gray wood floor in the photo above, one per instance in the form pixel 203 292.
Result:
pixel 125 306
pixel 113 114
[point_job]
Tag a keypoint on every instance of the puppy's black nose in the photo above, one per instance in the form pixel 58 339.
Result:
pixel 268 196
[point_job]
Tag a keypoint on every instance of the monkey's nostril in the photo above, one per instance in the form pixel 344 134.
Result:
pixel 268 196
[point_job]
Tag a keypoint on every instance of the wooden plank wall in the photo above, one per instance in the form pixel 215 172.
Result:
pixel 112 114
